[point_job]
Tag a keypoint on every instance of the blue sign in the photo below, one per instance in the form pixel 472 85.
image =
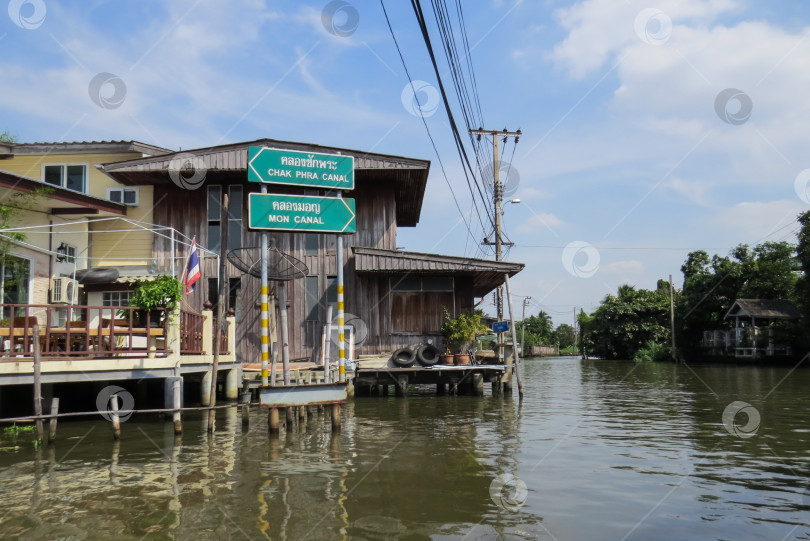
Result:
pixel 500 326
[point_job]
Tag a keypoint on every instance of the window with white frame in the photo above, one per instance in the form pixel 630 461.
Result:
pixel 70 176
pixel 116 298
pixel 66 253
pixel 125 196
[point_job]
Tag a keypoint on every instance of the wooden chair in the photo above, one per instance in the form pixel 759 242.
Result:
pixel 18 343
pixel 79 339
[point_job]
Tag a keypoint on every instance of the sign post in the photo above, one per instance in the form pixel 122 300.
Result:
pixel 300 213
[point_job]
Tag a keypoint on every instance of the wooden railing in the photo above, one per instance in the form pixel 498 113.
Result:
pixel 81 331
pixel 191 333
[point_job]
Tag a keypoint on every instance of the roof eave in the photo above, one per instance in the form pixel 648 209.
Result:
pixel 20 184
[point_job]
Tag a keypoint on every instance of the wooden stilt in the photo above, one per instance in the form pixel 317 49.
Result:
pixel 335 417
pixel 37 384
pixel 116 421
pixel 52 420
pixel 273 421
pixel 290 415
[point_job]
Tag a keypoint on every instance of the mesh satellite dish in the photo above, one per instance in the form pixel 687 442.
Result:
pixel 281 267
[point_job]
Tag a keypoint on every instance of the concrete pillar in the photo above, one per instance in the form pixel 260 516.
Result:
pixel 205 388
pixel 208 331
pixel 173 338
pixel 168 392
pixel 402 385
pixel 177 399
pixel 478 384
pixel 232 384
pixel 273 421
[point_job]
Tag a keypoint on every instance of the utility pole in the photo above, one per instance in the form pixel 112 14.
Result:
pixel 498 197
pixel 506 382
pixel 523 323
pixel 672 317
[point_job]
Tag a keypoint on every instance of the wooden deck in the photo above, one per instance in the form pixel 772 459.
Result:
pixel 453 379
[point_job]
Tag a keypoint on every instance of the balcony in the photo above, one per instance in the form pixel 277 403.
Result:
pixel 113 342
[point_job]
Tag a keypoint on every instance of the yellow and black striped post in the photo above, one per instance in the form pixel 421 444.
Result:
pixel 341 337
pixel 264 317
pixel 265 334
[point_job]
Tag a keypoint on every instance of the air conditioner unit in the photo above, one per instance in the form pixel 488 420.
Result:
pixel 63 290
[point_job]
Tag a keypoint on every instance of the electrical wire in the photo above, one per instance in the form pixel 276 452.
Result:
pixel 432 142
pixel 462 151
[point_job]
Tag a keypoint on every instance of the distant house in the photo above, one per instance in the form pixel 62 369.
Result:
pixel 756 333
pixel 56 232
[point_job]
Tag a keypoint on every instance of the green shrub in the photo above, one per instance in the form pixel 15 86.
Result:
pixel 653 352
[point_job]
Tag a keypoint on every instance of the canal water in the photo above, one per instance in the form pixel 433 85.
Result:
pixel 596 450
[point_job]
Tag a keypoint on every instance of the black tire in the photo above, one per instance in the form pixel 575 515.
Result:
pixel 404 357
pixel 97 275
pixel 428 355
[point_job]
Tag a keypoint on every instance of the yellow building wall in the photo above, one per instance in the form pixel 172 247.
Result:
pixel 106 249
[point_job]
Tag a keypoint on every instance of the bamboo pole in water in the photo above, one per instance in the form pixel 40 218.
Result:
pixel 222 299
pixel 37 383
pixel 514 336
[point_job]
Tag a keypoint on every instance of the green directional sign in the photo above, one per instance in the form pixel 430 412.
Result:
pixel 281 166
pixel 302 213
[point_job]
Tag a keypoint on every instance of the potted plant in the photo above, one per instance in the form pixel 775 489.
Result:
pixel 459 334
pixel 163 292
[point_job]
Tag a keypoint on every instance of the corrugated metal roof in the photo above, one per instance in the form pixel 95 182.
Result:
pixel 87 147
pixel 228 163
pixel 487 275
pixel 764 308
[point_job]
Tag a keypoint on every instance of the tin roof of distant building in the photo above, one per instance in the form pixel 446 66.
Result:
pixel 764 308
pixel 81 147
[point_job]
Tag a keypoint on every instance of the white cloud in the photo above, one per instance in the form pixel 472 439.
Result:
pixel 631 266
pixel 695 191
pixel 759 221
pixel 540 221
pixel 600 29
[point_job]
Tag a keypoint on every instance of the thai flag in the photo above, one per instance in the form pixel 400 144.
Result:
pixel 192 273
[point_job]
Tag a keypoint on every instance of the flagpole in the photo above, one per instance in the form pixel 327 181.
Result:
pixel 184 276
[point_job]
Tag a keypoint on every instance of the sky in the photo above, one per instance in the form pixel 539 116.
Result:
pixel 650 129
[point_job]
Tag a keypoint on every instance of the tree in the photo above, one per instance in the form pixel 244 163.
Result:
pixel 625 323
pixel 538 330
pixel 565 335
pixel 711 286
pixel 802 292
pixel 7 137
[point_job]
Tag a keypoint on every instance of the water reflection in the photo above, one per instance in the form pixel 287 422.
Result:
pixel 606 450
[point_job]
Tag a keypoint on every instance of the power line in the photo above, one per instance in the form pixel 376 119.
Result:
pixel 427 129
pixel 462 151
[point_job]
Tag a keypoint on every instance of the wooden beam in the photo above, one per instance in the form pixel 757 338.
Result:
pixel 73 210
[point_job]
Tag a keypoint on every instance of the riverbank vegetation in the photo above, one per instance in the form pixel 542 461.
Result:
pixel 635 323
